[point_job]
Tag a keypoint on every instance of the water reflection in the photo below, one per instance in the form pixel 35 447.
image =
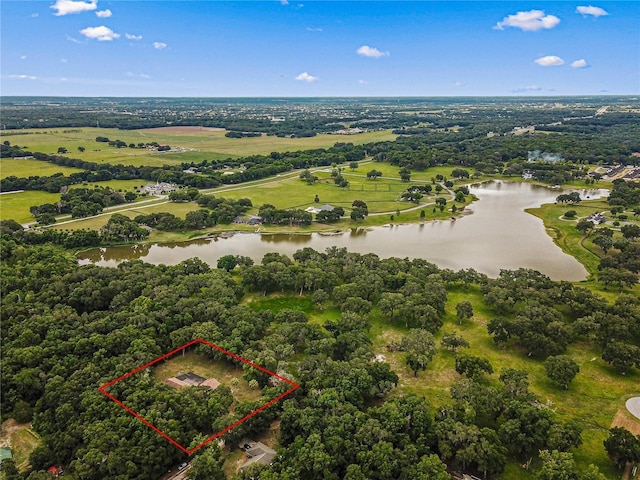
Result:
pixel 498 235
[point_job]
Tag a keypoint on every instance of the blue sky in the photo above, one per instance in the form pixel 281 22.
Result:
pixel 318 48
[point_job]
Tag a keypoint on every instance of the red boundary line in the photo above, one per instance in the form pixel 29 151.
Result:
pixel 103 388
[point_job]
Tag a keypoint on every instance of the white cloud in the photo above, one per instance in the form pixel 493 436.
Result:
pixel 595 11
pixel 102 33
pixel 23 77
pixel 65 7
pixel 314 29
pixel 35 15
pixel 371 52
pixel 133 37
pixel 363 82
pixel 23 57
pixel 63 60
pixel 529 88
pixel 159 45
pixel 305 77
pixel 284 2
pixel 104 13
pixel 74 40
pixel 140 75
pixel 459 84
pixel 582 63
pixel 549 61
pixel 528 21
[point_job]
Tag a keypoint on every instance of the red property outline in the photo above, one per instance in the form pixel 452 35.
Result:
pixel 103 388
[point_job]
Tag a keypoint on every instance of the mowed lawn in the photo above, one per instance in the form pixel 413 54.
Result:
pixel 15 206
pixel 32 168
pixel 292 192
pixel 198 144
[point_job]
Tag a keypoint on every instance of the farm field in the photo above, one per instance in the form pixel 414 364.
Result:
pixel 198 144
pixel 32 168
pixel 16 206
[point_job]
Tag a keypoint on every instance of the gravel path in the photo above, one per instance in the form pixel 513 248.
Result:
pixel 633 405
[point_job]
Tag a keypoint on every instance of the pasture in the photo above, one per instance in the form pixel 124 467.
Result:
pixel 196 144
pixel 31 168
pixel 15 206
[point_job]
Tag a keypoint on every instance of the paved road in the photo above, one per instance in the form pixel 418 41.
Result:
pixel 277 179
pixel 633 405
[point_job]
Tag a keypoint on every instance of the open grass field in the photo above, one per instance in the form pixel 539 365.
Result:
pixel 276 303
pixel 16 205
pixel 593 398
pixel 31 168
pixel 198 144
pixel 201 365
pixel 289 191
pixel 380 195
pixel 22 441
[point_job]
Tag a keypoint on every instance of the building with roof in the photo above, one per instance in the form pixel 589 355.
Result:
pixel 257 452
pixel 323 208
pixel 5 453
pixel 192 380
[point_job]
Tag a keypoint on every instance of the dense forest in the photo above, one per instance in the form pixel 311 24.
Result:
pixel 68 329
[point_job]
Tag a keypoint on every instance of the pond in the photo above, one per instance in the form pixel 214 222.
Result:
pixel 495 234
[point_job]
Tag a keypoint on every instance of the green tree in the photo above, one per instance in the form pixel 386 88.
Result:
pixel 621 278
pixel 227 262
pixel 584 226
pixel 420 347
pixel 430 467
pixel 452 341
pixel 374 174
pixel 464 311
pixel 564 436
pixel 473 367
pixel 556 466
pixel 562 369
pixel 630 232
pixel 621 356
pixel 622 447
pixel 206 465
pixel 460 173
pixel 604 242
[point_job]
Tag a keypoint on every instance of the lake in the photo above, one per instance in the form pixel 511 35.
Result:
pixel 496 233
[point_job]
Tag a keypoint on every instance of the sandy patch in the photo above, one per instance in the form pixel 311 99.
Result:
pixel 624 420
